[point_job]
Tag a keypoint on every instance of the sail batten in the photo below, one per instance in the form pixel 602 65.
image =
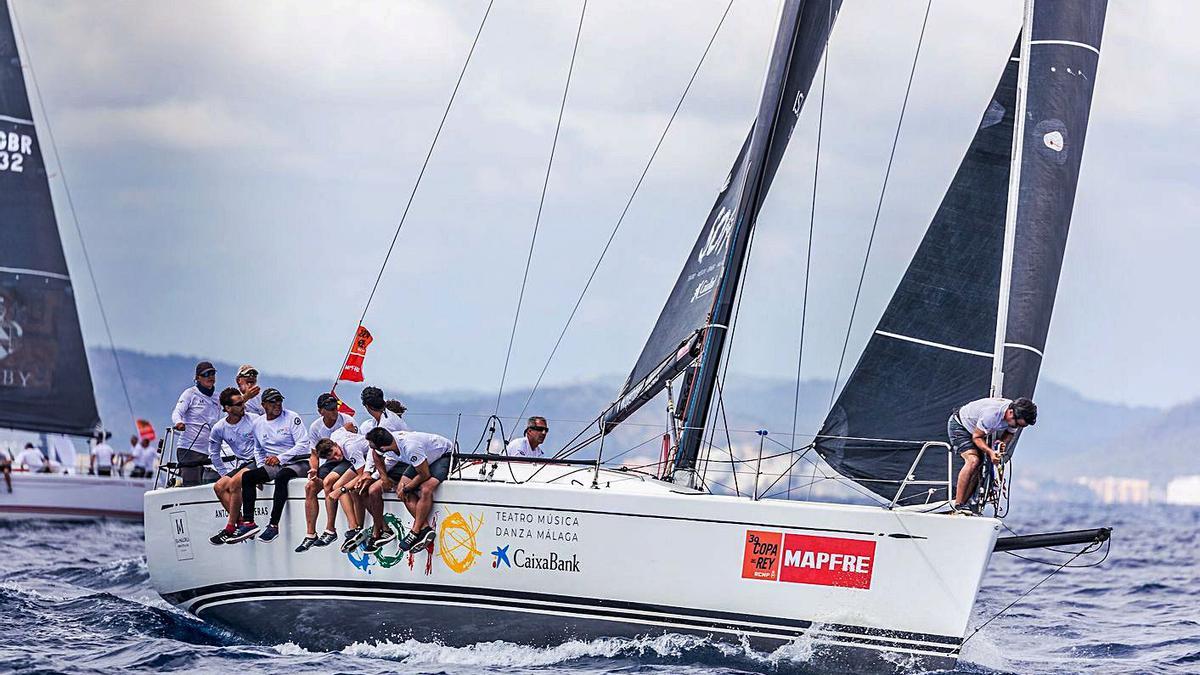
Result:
pixel 926 356
pixel 45 384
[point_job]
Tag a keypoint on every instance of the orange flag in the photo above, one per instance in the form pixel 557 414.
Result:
pixel 145 430
pixel 352 368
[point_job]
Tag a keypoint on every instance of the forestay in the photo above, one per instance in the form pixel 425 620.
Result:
pixel 44 380
pixel 932 350
pixel 712 269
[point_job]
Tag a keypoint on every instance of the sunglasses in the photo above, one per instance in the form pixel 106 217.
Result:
pixel 208 373
pixel 537 428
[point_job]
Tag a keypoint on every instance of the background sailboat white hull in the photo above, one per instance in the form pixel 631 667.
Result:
pixel 539 563
pixel 44 495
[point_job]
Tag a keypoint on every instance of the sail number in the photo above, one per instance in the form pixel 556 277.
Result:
pixel 13 149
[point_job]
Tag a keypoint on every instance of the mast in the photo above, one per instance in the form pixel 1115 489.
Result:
pixel 690 332
pixel 762 138
pixel 1014 195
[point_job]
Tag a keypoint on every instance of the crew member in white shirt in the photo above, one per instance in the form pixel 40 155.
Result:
pixel 195 414
pixel 129 455
pixel 143 460
pixel 235 430
pixel 101 462
pixel 31 459
pixel 281 439
pixel 382 413
pixel 971 429
pixel 323 475
pixel 530 445
pixel 427 457
pixel 247 383
pixel 344 455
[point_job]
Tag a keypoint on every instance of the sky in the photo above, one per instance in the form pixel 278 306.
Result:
pixel 238 171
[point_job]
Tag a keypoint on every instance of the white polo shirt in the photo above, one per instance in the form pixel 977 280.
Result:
pixel 519 447
pixel 354 447
pixel 286 437
pixel 986 415
pixel 317 430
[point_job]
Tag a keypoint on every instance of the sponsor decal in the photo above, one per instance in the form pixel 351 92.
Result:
pixel 807 559
pixel 1054 141
pixel 10 331
pixel 456 541
pixel 182 539
pixel 501 556
pixel 540 526
pixel 531 560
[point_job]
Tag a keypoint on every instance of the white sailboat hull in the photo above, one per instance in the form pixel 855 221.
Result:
pixel 540 563
pixel 55 496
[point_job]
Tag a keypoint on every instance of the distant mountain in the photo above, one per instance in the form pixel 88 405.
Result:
pixel 1073 437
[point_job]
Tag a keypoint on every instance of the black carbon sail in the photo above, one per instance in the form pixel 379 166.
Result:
pixel 45 384
pixel 695 318
pixel 934 348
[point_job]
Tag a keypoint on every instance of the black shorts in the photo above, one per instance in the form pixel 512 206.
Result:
pixel 104 472
pixel 399 470
pixel 440 469
pixel 340 467
pixel 960 438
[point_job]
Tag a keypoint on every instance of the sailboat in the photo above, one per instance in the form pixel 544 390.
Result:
pixel 554 549
pixel 45 384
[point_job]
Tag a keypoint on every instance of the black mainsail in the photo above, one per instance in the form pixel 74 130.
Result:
pixel 935 347
pixel 45 384
pixel 692 326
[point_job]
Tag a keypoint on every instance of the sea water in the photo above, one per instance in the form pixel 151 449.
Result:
pixel 76 598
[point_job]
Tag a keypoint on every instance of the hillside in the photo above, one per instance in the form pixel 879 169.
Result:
pixel 1064 444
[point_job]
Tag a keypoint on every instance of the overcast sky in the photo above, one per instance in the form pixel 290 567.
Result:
pixel 238 170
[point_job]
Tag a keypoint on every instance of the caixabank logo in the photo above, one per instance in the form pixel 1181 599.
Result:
pixel 805 559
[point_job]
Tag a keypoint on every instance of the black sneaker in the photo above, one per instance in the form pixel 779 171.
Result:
pixel 306 544
pixel 268 535
pixel 352 542
pixel 243 532
pixel 325 539
pixel 220 537
pixel 376 543
pixel 413 539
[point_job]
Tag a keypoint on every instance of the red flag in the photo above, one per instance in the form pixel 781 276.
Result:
pixel 342 407
pixel 352 368
pixel 145 430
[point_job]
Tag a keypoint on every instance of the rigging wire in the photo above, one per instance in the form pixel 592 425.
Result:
pixel 879 206
pixel 629 202
pixel 87 258
pixel 812 219
pixel 541 203
pixel 420 175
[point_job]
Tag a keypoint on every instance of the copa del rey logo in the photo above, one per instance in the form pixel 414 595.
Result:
pixel 805 559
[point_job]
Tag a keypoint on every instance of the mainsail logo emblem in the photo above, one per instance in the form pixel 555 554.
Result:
pixel 1054 141
pixel 718 234
pixel 10 330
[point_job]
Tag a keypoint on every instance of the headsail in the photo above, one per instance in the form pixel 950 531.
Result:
pixel 932 350
pixel 712 270
pixel 45 384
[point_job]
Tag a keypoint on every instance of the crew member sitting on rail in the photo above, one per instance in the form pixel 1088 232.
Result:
pixel 236 430
pixel 530 444
pixel 345 458
pixel 195 413
pixel 328 421
pixel 969 429
pixel 247 383
pixel 31 459
pixel 428 459
pixel 382 413
pixel 101 462
pixel 281 454
pixel 6 468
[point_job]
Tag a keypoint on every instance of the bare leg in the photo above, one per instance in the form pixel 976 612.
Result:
pixel 424 504
pixel 221 488
pixel 346 500
pixel 234 489
pixel 375 506
pixel 331 501
pixel 410 501
pixel 311 488
pixel 966 477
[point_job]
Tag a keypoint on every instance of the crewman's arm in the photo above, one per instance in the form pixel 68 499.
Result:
pixel 300 443
pixel 214 454
pixel 181 407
